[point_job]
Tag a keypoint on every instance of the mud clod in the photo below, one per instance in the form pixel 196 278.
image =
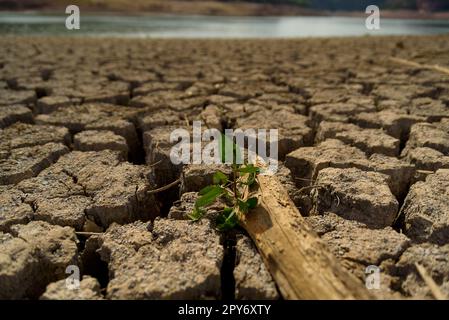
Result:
pixel 93 140
pixel 89 289
pixel 27 162
pixel 34 255
pixel 169 259
pixel 425 209
pixel 355 195
pixel 15 113
pixel 252 279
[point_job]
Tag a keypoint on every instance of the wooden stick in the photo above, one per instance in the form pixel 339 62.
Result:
pixel 168 186
pixel 434 289
pixel 296 257
pixel 83 233
pixel 419 65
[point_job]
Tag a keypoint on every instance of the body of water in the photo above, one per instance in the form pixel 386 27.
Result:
pixel 212 27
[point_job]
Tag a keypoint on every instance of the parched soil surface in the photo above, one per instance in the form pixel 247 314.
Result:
pixel 85 136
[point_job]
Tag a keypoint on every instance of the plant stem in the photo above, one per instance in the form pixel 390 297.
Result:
pixel 234 182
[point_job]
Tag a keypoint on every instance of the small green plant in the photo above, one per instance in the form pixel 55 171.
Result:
pixel 232 189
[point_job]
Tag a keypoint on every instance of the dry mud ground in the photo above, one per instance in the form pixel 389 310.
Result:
pixel 84 137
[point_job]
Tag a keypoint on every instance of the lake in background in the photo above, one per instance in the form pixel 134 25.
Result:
pixel 212 27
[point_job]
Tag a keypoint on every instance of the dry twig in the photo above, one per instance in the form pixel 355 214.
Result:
pixel 409 63
pixel 434 289
pixel 168 186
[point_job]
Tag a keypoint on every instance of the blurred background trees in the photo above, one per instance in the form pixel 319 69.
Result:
pixel 332 5
pixel 428 5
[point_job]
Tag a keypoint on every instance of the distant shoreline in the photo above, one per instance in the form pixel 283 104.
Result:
pixel 386 14
pixel 227 9
pixel 398 14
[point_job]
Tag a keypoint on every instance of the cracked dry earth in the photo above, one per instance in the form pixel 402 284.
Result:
pixel 84 135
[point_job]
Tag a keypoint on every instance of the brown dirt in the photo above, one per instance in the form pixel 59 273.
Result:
pixel 84 136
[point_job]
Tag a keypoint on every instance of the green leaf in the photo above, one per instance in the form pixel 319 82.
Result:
pixel 196 214
pixel 251 202
pixel 220 178
pixel 243 206
pixel 227 220
pixel 227 211
pixel 206 190
pixel 208 198
pixel 249 169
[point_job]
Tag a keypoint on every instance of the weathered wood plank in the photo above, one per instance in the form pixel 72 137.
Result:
pixel 296 257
